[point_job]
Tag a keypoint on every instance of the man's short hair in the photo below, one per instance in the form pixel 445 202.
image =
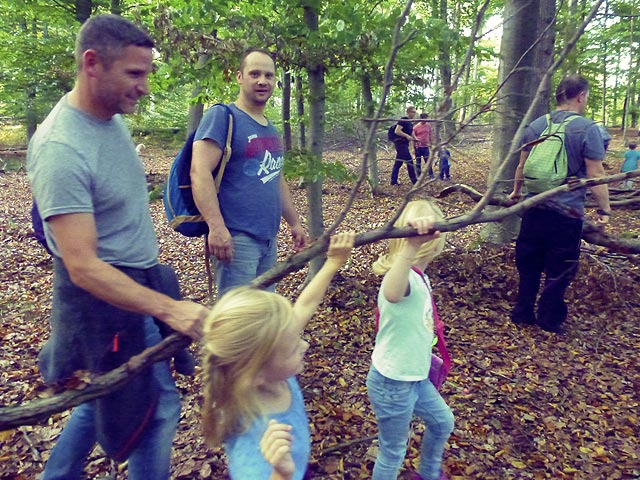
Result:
pixel 109 35
pixel 570 87
pixel 424 115
pixel 249 51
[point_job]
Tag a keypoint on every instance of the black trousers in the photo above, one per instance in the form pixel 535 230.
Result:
pixel 403 155
pixel 549 243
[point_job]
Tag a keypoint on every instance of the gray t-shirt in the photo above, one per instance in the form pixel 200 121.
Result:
pixel 582 140
pixel 77 163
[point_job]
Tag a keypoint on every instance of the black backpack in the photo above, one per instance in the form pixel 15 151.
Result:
pixel 392 136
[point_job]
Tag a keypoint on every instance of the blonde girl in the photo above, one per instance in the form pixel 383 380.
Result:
pixel 253 352
pixel 398 381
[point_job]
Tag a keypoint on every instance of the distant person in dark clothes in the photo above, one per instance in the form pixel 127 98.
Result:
pixel 444 157
pixel 404 132
pixel 422 131
pixel 91 192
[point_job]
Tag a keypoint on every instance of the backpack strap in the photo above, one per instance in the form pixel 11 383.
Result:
pixel 226 153
pixel 437 324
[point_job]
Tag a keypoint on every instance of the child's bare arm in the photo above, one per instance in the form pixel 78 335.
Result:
pixel 340 248
pixel 396 282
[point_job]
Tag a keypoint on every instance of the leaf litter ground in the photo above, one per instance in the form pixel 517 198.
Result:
pixel 528 404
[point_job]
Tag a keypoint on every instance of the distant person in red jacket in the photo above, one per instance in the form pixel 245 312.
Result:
pixel 422 131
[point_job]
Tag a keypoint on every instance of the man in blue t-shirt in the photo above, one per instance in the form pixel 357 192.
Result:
pixel 550 233
pixel 244 214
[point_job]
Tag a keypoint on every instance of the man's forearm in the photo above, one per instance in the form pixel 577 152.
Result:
pixel 205 196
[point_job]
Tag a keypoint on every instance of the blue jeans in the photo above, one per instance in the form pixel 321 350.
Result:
pixel 394 403
pixel 251 258
pixel 150 459
pixel 422 155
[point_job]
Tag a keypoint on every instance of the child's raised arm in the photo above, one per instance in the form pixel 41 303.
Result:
pixel 396 281
pixel 340 248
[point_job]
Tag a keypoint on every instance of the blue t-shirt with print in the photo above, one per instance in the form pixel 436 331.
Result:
pixel 243 450
pixel 249 194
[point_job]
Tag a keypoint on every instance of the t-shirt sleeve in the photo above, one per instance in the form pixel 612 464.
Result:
pixel 593 146
pixel 62 186
pixel 213 126
pixel 530 134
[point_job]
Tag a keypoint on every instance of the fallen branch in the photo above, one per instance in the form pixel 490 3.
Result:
pixel 37 411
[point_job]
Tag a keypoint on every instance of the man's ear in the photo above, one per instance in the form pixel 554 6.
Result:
pixel 90 62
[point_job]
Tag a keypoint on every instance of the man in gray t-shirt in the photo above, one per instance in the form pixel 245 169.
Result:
pixel 91 192
pixel 550 233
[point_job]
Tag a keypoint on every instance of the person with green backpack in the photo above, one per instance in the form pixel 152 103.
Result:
pixel 555 148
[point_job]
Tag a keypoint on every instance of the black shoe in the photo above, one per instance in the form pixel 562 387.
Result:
pixel 184 362
pixel 523 319
pixel 558 329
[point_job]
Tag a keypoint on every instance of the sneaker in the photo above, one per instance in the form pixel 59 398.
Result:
pixel 417 476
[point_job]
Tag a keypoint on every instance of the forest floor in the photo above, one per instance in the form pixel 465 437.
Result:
pixel 528 404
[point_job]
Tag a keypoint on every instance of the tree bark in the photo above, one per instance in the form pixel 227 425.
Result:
pixel 302 134
pixel 317 95
pixel 286 111
pixel 369 108
pixel 521 70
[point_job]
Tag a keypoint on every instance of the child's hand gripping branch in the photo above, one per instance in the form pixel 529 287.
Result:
pixel 340 247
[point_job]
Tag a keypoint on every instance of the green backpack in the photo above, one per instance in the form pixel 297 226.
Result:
pixel 546 166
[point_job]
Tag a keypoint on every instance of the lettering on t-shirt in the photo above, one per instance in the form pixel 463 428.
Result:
pixel 270 149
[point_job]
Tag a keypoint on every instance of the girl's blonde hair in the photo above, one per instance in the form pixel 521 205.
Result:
pixel 428 251
pixel 240 336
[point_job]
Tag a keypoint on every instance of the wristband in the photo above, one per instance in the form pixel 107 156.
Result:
pixel 603 212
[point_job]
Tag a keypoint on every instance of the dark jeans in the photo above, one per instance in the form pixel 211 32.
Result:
pixel 422 155
pixel 444 172
pixel 403 155
pixel 549 242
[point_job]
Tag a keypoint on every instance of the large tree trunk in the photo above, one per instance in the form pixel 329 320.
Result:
pixel 521 75
pixel 317 96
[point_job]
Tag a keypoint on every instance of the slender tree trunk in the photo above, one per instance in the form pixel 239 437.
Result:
pixel 116 7
pixel 369 109
pixel 302 133
pixel 315 71
pixel 83 10
pixel 196 111
pixel 521 77
pixel 286 111
pixel 447 128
